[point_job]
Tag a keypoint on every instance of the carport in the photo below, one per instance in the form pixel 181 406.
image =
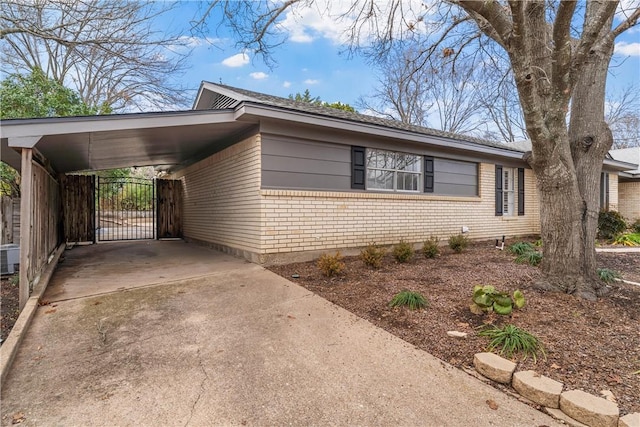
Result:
pixel 44 150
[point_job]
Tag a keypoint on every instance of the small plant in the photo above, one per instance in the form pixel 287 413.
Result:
pixel 607 275
pixel 458 243
pixel 331 265
pixel 532 258
pixel 14 280
pixel 403 251
pixel 510 340
pixel 488 299
pixel 537 243
pixel 412 300
pixel 521 248
pixel 610 224
pixel 372 255
pixel 430 248
pixel 628 239
pixel 635 227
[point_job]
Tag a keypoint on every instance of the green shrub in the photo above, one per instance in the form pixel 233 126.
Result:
pixel 628 239
pixel 458 243
pixel 488 299
pixel 635 227
pixel 430 248
pixel 510 340
pixel 331 264
pixel 410 299
pixel 607 275
pixel 610 224
pixel 521 248
pixel 372 255
pixel 403 251
pixel 532 258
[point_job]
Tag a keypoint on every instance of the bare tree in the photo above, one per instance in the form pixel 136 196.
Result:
pixel 437 93
pixel 402 92
pixel 559 53
pixel 108 51
pixel 623 116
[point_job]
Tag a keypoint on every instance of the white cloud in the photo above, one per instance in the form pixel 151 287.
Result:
pixel 628 49
pixel 237 60
pixel 332 20
pixel 311 82
pixel 259 75
pixel 286 84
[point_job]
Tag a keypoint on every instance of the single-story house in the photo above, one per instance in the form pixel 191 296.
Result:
pixel 628 183
pixel 271 179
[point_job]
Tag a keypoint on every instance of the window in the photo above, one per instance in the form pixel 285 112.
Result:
pixel 389 170
pixel 508 199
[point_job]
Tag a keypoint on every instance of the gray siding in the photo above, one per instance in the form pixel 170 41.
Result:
pixel 301 164
pixel 455 178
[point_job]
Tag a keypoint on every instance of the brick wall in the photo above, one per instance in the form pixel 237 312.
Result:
pixel 629 199
pixel 221 205
pixel 294 221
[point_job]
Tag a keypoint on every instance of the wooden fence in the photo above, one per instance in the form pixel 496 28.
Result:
pixel 10 224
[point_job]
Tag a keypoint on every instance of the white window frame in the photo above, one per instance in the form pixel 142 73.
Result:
pixel 508 191
pixel 394 170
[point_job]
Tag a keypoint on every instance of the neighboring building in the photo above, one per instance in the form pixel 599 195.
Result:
pixel 629 183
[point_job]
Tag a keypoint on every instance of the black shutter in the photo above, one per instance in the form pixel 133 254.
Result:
pixel 606 197
pixel 520 191
pixel 358 167
pixel 428 174
pixel 499 190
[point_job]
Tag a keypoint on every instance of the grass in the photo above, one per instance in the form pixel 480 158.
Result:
pixel 511 340
pixel 532 258
pixel 412 300
pixel 521 248
pixel 628 239
pixel 607 275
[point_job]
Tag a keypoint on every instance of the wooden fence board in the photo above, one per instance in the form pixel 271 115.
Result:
pixel 169 217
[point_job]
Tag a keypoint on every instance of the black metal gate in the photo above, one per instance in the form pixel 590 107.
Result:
pixel 126 209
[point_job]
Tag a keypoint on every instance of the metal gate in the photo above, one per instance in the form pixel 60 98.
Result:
pixel 126 209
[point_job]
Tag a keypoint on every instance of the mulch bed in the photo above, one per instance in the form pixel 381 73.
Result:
pixel 591 346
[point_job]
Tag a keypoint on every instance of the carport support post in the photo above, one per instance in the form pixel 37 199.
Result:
pixel 26 212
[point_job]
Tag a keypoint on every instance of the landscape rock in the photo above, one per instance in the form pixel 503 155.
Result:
pixel 457 334
pixel 630 420
pixel 538 388
pixel 589 409
pixel 494 367
pixel 607 394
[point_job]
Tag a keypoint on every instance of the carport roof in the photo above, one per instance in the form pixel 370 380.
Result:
pixel 166 139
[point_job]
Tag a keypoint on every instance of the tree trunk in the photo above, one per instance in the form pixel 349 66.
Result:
pixel 570 202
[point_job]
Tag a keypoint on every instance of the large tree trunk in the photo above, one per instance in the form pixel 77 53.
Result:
pixel 570 201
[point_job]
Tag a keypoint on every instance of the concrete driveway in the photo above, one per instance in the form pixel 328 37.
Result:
pixel 136 338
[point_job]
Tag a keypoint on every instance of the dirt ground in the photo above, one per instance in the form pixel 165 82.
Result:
pixel 9 306
pixel 592 346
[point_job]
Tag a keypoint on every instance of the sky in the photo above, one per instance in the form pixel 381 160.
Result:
pixel 313 57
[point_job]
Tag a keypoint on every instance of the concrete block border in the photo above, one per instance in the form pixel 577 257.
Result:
pixel 584 408
pixel 12 343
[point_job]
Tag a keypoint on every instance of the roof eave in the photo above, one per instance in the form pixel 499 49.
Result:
pixel 248 110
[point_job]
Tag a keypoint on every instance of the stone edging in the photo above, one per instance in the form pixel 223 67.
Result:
pixel 581 407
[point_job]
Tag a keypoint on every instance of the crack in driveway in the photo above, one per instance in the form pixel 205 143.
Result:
pixel 204 380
